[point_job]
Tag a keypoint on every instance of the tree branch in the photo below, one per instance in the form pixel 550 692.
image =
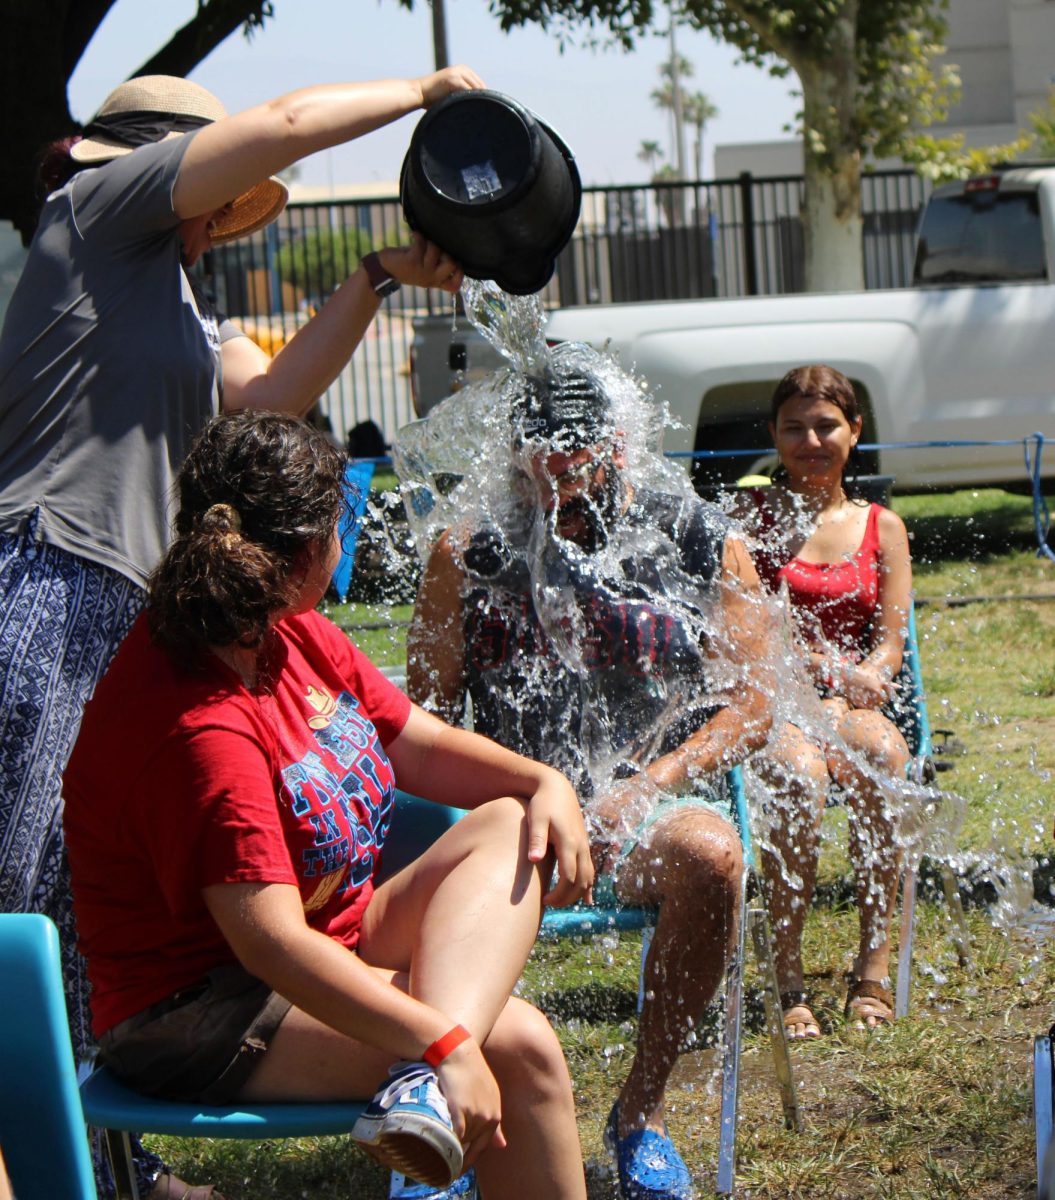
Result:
pixel 214 21
pixel 82 19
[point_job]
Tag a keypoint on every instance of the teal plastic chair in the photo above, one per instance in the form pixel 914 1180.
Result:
pixel 118 1110
pixel 41 1124
pixel 1043 1108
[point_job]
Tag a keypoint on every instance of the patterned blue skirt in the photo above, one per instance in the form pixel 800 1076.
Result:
pixel 61 621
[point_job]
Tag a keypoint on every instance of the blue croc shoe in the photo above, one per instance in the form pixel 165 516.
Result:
pixel 650 1168
pixel 402 1188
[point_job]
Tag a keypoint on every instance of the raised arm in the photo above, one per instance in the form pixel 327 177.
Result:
pixel 742 726
pixel 436 641
pixel 313 358
pixel 229 156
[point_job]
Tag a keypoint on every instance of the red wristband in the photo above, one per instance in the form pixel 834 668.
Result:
pixel 442 1046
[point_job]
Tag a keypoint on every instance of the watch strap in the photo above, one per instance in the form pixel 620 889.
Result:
pixel 380 280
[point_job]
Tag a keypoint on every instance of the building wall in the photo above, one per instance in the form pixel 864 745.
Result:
pixel 1005 52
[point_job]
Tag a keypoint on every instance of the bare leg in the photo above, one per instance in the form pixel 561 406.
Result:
pixel 873 842
pixel 691 868
pixel 455 929
pixel 463 918
pixel 542 1158
pixel 797 776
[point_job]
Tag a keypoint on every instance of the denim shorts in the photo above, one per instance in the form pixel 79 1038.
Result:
pixel 716 802
pixel 202 1043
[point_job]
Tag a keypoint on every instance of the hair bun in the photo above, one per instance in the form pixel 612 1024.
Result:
pixel 222 516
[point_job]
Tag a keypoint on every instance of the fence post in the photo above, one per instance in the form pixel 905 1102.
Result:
pixel 747 210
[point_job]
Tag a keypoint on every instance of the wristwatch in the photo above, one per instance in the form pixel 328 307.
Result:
pixel 380 280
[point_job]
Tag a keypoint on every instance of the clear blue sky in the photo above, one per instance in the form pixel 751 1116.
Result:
pixel 598 101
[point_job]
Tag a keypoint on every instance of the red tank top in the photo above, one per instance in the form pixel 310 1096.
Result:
pixel 833 603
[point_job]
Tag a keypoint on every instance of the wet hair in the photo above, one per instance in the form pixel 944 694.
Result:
pixel 817 382
pixel 258 494
pixel 567 410
pixel 56 167
pixel 820 382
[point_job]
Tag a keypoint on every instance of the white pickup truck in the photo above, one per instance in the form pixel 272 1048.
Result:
pixel 966 353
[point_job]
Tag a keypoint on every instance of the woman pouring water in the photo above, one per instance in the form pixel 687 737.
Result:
pixel 110 363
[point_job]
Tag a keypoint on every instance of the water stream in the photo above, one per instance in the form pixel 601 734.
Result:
pixel 626 603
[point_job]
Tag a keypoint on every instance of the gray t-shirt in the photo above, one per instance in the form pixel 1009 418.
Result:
pixel 108 366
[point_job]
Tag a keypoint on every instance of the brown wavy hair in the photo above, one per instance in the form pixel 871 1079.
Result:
pixel 55 166
pixel 258 494
pixel 821 382
pixel 817 382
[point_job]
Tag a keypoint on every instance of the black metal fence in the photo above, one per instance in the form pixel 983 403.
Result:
pixel 723 238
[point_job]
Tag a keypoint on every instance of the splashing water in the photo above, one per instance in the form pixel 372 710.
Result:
pixel 628 655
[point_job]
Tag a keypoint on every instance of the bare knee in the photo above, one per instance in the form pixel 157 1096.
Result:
pixel 523 1049
pixel 876 739
pixel 699 861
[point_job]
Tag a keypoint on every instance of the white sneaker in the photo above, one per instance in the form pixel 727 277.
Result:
pixel 407 1127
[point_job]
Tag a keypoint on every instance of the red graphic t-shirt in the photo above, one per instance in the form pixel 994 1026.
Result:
pixel 184 778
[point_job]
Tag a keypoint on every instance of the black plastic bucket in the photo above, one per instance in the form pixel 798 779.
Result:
pixel 494 186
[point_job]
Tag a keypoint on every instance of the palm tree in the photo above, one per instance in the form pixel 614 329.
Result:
pixel 698 111
pixel 669 96
pixel 650 154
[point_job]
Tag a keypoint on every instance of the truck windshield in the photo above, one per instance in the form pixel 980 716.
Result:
pixel 981 237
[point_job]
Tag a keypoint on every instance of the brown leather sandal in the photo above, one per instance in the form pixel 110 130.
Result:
pixel 869 990
pixel 793 999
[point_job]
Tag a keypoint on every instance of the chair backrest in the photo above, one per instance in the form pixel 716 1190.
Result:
pixel 42 1127
pixel 416 824
pixel 357 479
pixel 910 709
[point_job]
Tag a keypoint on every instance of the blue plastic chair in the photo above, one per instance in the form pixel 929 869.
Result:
pixel 357 478
pixel 1043 1108
pixel 41 1124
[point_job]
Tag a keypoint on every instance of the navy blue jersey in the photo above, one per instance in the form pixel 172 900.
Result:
pixel 592 669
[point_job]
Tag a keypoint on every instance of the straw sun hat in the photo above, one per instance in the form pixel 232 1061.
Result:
pixel 157 108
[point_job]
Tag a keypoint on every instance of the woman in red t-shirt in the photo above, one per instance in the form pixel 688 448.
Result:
pixel 847 571
pixel 226 809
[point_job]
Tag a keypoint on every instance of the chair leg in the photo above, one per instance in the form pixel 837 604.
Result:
pixel 646 945
pixel 961 936
pixel 731 1033
pixel 778 1037
pixel 1042 1104
pixel 906 938
pixel 119 1151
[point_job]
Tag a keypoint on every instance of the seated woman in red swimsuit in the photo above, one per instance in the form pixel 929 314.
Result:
pixel 848 573
pixel 226 810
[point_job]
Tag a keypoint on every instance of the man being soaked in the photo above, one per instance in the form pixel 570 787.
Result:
pixel 613 631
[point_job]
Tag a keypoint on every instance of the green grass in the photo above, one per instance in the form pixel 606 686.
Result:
pixel 937 1106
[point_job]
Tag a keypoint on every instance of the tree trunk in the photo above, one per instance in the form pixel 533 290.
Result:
pixel 832 209
pixel 42 43
pixel 33 106
pixel 832 226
